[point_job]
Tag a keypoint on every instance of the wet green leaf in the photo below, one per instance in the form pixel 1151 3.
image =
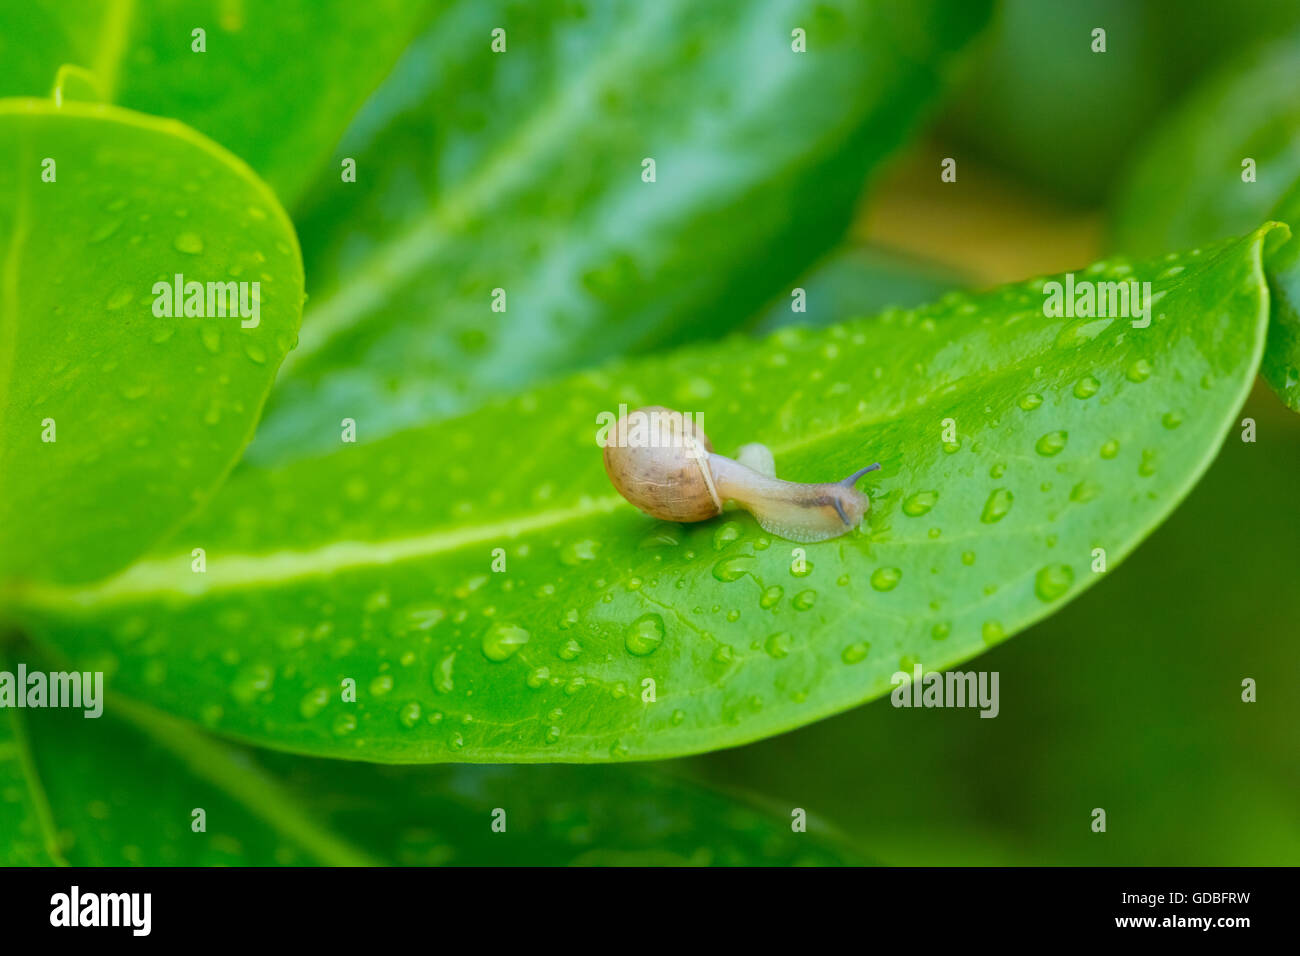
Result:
pixel 275 82
pixel 525 172
pixel 373 567
pixel 67 799
pixel 115 424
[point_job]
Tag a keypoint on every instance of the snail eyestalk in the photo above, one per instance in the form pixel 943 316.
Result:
pixel 672 481
pixel 852 479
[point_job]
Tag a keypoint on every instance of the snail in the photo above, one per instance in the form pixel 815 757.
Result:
pixel 670 471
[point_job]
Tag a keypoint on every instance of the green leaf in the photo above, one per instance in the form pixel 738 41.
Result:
pixel 374 565
pixel 523 171
pixel 1186 187
pixel 280 109
pixel 122 792
pixel 116 424
pixel 1040 102
pixel 1281 366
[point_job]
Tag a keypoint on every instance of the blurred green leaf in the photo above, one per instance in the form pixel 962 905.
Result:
pixel 116 424
pixel 116 792
pixel 556 815
pixel 523 172
pixel 275 84
pixel 1040 102
pixel 375 564
pixel 1187 187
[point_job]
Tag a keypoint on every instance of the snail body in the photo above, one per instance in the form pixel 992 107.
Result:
pixel 676 476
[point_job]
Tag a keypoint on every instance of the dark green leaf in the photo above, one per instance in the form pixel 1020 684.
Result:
pixel 115 792
pixel 1190 185
pixel 1041 102
pixel 523 171
pixel 1187 187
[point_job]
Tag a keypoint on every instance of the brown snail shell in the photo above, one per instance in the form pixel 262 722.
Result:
pixel 668 476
